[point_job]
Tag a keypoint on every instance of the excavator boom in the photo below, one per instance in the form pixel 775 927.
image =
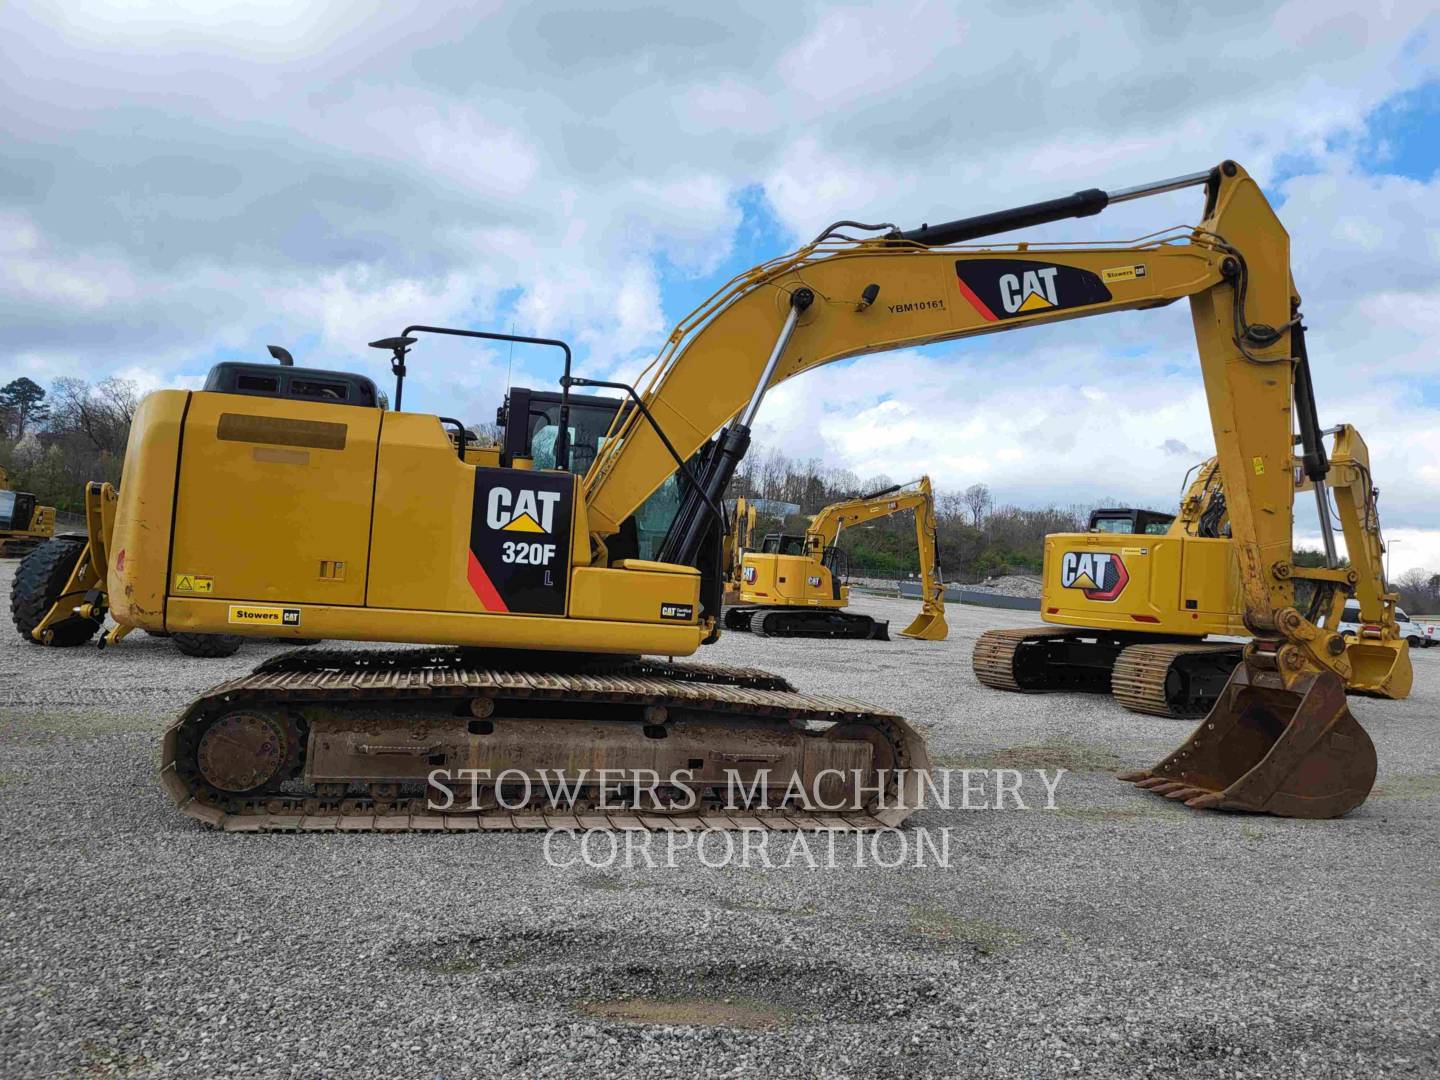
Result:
pixel 839 297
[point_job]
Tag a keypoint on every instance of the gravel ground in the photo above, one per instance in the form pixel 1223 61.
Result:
pixel 1115 935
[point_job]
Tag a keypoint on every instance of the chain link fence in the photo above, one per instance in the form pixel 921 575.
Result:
pixel 67 521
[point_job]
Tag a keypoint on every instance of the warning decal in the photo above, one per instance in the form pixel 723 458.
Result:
pixel 193 583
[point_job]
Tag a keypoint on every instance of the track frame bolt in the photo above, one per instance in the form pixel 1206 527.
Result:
pixel 482 707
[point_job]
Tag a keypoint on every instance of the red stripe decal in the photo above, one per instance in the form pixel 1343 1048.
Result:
pixel 975 301
pixel 484 587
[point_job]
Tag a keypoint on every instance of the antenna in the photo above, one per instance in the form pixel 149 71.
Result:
pixel 510 364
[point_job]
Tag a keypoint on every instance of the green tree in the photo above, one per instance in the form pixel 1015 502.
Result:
pixel 22 404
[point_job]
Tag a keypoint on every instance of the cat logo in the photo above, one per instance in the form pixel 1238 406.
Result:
pixel 1034 290
pixel 748 575
pixel 1100 575
pixel 999 289
pixel 524 511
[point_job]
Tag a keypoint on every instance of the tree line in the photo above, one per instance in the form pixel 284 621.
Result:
pixel 977 537
pixel 53 442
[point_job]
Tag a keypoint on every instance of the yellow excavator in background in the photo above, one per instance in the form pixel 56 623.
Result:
pixel 738 540
pixel 795 586
pixel 1136 595
pixel 294 506
pixel 23 525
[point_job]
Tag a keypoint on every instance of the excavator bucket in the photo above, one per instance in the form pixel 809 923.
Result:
pixel 1380 668
pixel 929 625
pixel 1293 752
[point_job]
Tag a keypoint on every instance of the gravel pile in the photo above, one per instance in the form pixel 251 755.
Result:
pixel 1009 585
pixel 1115 935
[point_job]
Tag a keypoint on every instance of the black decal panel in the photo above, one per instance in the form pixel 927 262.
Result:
pixel 1012 288
pixel 520 540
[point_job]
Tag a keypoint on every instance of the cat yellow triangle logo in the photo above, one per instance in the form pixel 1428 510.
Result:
pixel 524 523
pixel 1035 302
pixel 1083 581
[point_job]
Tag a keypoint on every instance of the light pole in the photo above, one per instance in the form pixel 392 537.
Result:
pixel 1388 545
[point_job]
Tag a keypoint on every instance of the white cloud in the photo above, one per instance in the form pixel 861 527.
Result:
pixel 207 179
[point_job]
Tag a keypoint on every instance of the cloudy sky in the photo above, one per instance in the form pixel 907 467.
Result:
pixel 183 183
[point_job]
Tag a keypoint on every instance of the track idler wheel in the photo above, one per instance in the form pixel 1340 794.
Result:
pixel 1292 751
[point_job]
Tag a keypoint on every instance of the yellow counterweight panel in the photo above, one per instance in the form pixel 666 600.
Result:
pixel 274 500
pixel 793 580
pixel 138 555
pixel 1141 583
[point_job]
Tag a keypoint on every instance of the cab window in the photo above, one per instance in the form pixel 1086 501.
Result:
pixel 1112 525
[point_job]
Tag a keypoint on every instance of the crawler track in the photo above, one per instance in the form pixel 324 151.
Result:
pixel 1173 680
pixel 398 712
pixel 800 622
pixel 1161 678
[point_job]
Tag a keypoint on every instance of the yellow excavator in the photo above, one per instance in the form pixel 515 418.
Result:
pixel 24 526
pixel 1136 595
pixel 291 504
pixel 738 539
pixel 794 586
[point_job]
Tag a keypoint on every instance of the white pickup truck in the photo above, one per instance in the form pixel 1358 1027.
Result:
pixel 1419 635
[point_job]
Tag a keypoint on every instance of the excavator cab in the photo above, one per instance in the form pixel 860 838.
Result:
pixel 530 420
pixel 782 544
pixel 1130 521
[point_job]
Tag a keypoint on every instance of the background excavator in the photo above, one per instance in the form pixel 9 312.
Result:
pixel 738 540
pixel 24 526
pixel 1135 596
pixel 795 586
pixel 294 505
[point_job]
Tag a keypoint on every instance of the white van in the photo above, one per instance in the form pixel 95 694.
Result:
pixel 1419 635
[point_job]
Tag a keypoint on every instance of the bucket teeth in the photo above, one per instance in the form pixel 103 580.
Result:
pixel 1134 777
pixel 1185 794
pixel 1153 783
pixel 1166 789
pixel 1208 801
